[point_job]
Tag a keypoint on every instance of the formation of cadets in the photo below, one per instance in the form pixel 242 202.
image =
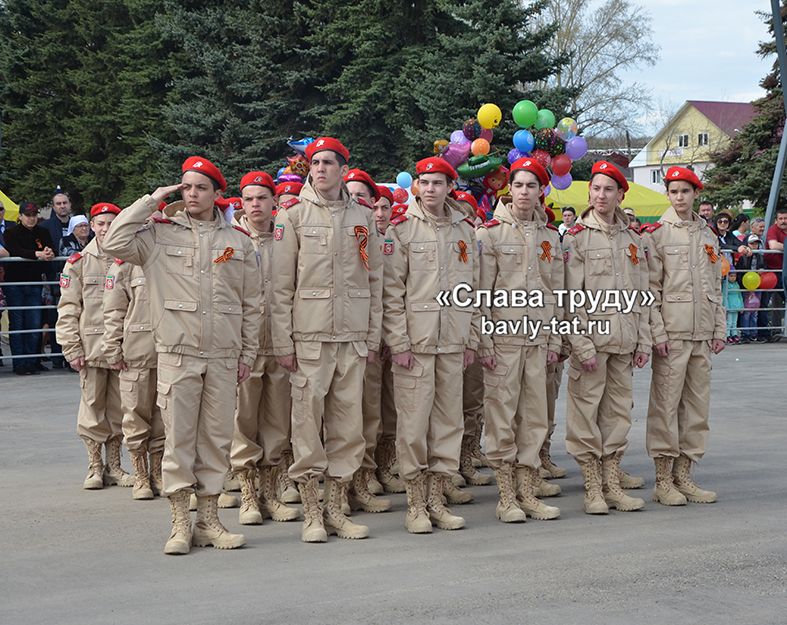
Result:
pixel 312 316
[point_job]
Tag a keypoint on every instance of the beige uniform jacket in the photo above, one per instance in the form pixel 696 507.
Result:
pixel 522 256
pixel 80 315
pixel 128 334
pixel 685 278
pixel 202 277
pixel 323 289
pixel 607 261
pixel 263 245
pixel 424 258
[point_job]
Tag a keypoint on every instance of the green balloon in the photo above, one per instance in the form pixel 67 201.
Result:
pixel 545 119
pixel 525 113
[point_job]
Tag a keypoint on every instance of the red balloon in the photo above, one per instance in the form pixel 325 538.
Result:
pixel 768 280
pixel 561 165
pixel 543 157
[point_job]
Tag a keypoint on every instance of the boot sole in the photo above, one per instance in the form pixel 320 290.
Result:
pixel 418 530
pixel 221 545
pixel 286 518
pixel 251 521
pixel 322 538
pixel 180 550
pixel 146 496
pixel 335 532
pixel 536 516
pixel 518 519
pixel 613 506
pixel 698 500
pixel 658 499
pixel 93 486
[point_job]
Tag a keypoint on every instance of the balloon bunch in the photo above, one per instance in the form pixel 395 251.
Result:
pixel 297 167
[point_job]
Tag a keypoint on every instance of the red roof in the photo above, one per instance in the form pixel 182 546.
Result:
pixel 729 116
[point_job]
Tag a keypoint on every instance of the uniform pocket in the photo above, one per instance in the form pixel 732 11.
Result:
pixel 179 259
pixel 314 240
pixel 423 255
pixel 163 394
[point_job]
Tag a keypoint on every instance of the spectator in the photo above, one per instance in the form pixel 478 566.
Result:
pixel 635 224
pixel 733 303
pixel 774 240
pixel 705 210
pixel 5 225
pixel 727 241
pixel 749 319
pixel 740 227
pixel 31 241
pixel 758 227
pixel 569 217
pixel 58 221
pixel 77 238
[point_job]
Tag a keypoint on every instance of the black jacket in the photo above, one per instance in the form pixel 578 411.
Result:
pixel 19 241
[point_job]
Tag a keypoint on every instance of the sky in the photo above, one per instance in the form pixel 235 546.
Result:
pixel 707 51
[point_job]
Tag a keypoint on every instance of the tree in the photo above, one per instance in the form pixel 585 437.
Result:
pixel 601 41
pixel 743 170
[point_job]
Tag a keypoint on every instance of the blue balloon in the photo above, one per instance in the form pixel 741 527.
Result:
pixel 404 180
pixel 524 141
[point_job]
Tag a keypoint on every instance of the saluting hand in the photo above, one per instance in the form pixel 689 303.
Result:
pixel 162 193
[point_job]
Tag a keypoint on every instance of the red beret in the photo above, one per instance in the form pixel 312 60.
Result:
pixel 550 214
pixel 103 208
pixel 682 173
pixel 225 202
pixel 464 196
pixel 527 163
pixel 386 193
pixel 259 178
pixel 289 188
pixel 359 175
pixel 398 209
pixel 608 169
pixel 206 168
pixel 435 165
pixel 327 143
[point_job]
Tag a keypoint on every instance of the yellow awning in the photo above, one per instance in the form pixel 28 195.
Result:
pixel 11 209
pixel 647 204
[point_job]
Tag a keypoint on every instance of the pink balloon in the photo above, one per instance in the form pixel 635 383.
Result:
pixel 456 154
pixel 487 134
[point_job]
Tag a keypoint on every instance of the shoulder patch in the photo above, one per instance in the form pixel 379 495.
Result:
pixel 651 227
pixel 289 203
pixel 363 202
pixel 243 230
pixel 162 220
pixel 576 229
pixel 491 223
pixel 551 227
pixel 119 261
pixel 74 257
pixel 398 220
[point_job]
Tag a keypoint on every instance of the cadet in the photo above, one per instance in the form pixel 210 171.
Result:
pixel 326 324
pixel 262 418
pixel 604 255
pixel 520 251
pixel 431 248
pixel 688 323
pixel 204 285
pixel 79 328
pixel 129 349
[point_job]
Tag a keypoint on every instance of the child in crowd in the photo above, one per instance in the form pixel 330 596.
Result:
pixel 751 299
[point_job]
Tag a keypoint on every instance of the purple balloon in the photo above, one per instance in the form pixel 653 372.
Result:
pixel 576 148
pixel 514 155
pixel 486 133
pixel 561 183
pixel 458 137
pixel 456 154
pixel 547 190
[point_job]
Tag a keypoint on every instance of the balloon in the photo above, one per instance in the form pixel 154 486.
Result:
pixel 300 145
pixel 524 141
pixel 458 137
pixel 561 183
pixel 456 153
pixel 514 154
pixel 525 113
pixel 489 116
pixel 566 128
pixel 478 167
pixel 725 266
pixel 289 178
pixel 542 157
pixel 546 119
pixel 486 134
pixel 504 191
pixel 561 165
pixel 576 148
pixel 440 145
pixel 768 280
pixel 404 179
pixel 751 280
pixel 547 190
pixel 280 173
pixel 472 129
pixel 400 195
pixel 480 147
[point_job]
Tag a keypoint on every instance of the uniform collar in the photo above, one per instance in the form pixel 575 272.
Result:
pixel 670 216
pixel 454 211
pixel 504 213
pixel 589 220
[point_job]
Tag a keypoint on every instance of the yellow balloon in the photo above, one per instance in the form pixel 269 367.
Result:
pixel 489 116
pixel 751 280
pixel 504 191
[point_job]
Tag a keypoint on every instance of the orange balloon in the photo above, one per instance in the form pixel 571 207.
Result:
pixel 725 266
pixel 414 187
pixel 480 147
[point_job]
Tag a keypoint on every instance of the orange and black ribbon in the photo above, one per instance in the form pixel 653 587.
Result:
pixel 362 236
pixel 546 246
pixel 462 251
pixel 633 250
pixel 228 253
pixel 711 253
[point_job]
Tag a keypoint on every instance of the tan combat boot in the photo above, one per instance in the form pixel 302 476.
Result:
pixel 270 505
pixel 417 519
pixel 113 472
pixel 435 504
pixel 507 510
pixel 614 495
pixel 208 529
pixel 179 542
pixel 386 456
pixel 231 482
pixel 374 486
pixel 142 489
pixel 466 468
pixel 546 489
pixel 681 475
pixel 479 459
pixel 628 481
pixel 526 480
pixel 336 522
pixel 549 469
pixel 95 469
pixel 288 492
pixel 249 513
pixel 313 528
pixel 361 498
pixel 225 501
pixel 665 492
pixel 454 495
pixel 594 497
pixel 156 482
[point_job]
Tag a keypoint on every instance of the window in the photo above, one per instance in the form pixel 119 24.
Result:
pixel 702 138
pixel 683 141
pixel 655 176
